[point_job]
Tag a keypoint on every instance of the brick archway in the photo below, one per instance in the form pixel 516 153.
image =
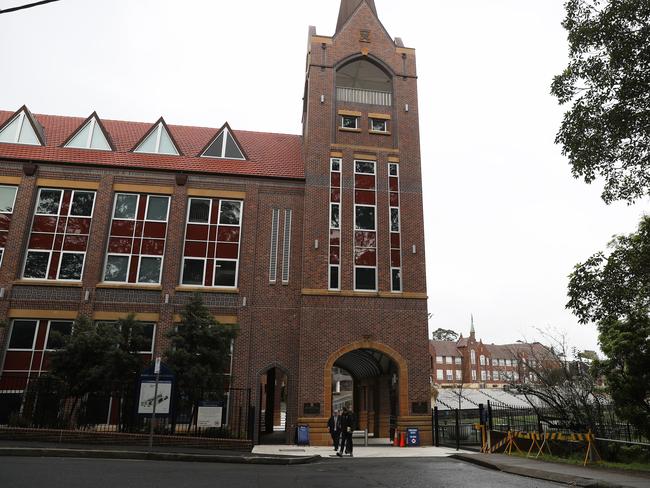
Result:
pixel 389 351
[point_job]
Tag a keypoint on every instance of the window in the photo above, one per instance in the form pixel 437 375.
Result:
pixel 90 136
pixel 59 235
pixel 395 227
pixel 158 141
pixel 394 219
pixel 483 375
pixel 458 360
pixel 495 362
pixel 473 356
pixel 502 362
pixel 440 359
pixel 396 279
pixel 20 131
pixel 439 375
pixel 349 122
pixel 148 330
pixel 450 375
pixel 23 334
pixel 7 199
pixel 378 125
pixel 286 246
pixel 365 225
pixel 448 359
pixel 57 332
pixel 136 243
pixel 362 81
pixel 212 238
pixel 224 146
pixel 482 360
pixel 459 375
pixel 473 375
pixel 334 260
pixel 273 261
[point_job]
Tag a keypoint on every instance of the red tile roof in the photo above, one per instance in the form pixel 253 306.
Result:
pixel 270 155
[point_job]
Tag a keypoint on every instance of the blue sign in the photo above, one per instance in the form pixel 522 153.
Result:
pixel 413 437
pixel 303 435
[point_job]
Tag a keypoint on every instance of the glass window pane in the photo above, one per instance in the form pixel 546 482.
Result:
pixel 36 264
pixel 232 151
pixel 365 278
pixel 378 125
pixel 199 210
pixel 216 148
pixel 48 202
pixel 81 139
pixel 22 334
pixel 7 198
pixel 82 203
pixel 9 133
pixel 392 169
pixel 334 220
pixel 193 271
pixel 57 334
pixel 98 140
pixel 366 167
pixel 230 212
pixel 166 144
pixel 149 144
pixel 27 133
pixel 349 122
pixel 149 270
pixel 225 273
pixel 125 206
pixel 117 268
pixel 364 217
pixel 157 208
pixel 2 251
pixel 396 281
pixel 334 277
pixel 394 220
pixel 71 266
pixel 336 165
pixel 147 333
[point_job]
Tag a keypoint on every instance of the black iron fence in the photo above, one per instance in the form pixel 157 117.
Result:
pixel 45 403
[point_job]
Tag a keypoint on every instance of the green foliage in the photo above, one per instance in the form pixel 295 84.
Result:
pixel 606 131
pixel 444 335
pixel 614 292
pixel 200 350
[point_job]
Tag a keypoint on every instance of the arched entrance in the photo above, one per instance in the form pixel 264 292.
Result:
pixel 372 378
pixel 273 388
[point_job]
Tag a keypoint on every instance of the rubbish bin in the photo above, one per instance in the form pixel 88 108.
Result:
pixel 413 437
pixel 303 435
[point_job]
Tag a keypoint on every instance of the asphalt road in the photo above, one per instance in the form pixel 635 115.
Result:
pixel 18 472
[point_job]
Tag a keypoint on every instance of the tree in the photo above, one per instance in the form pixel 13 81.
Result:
pixel 606 132
pixel 444 335
pixel 614 292
pixel 200 351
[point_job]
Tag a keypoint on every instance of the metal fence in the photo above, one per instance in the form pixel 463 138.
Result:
pixel 45 403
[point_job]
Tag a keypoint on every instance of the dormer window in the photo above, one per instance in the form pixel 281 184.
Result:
pixel 20 131
pixel 158 141
pixel 224 146
pixel 90 136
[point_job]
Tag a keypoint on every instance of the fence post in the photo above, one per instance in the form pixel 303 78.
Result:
pixel 457 429
pixel 436 427
pixel 490 424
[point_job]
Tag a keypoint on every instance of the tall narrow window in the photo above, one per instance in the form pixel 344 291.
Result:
pixel 365 226
pixel 7 202
pixel 395 228
pixel 136 244
pixel 273 260
pixel 286 246
pixel 59 236
pixel 212 242
pixel 334 267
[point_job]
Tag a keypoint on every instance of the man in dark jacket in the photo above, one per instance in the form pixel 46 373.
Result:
pixel 347 427
pixel 334 426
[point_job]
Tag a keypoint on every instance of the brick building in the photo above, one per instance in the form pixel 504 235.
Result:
pixel 313 244
pixel 473 364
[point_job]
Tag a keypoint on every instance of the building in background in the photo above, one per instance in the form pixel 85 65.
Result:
pixel 313 244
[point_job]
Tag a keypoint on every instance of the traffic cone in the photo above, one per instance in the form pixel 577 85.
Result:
pixel 402 439
pixel 396 438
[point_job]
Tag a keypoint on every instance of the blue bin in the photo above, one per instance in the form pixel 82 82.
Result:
pixel 303 435
pixel 412 437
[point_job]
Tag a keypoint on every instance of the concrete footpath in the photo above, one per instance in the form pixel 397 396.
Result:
pixel 156 453
pixel 560 473
pixel 371 451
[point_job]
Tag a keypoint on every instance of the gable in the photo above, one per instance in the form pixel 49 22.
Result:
pixel 21 129
pixel 224 146
pixel 158 141
pixel 91 135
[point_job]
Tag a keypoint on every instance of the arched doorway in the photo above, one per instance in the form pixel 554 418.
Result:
pixel 372 378
pixel 273 388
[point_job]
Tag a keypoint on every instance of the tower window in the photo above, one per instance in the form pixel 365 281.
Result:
pixel 349 122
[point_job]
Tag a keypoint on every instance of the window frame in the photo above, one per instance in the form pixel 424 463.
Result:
pixel 47 268
pixel 58 271
pixel 365 290
pixel 58 208
pixel 214 274
pixel 128 266
pixel 350 117
pixel 13 203
pixel 140 256
pixel 11 331
pixel 137 204
pixel 204 260
pixel 372 120
pixel 146 209
pixel 47 333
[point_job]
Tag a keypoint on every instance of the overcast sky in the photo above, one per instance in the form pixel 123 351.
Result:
pixel 505 221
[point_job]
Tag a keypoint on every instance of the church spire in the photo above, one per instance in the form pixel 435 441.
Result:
pixel 472 332
pixel 348 7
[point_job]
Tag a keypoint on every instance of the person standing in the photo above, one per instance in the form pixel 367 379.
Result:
pixel 347 427
pixel 334 426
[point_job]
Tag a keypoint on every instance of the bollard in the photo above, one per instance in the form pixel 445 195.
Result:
pixel 396 438
pixel 402 439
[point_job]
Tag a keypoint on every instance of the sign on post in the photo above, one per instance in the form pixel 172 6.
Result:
pixel 149 397
pixel 209 415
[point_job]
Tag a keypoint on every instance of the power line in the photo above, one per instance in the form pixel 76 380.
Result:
pixel 28 5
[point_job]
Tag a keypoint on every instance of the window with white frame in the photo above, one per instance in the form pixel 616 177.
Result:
pixel 334 260
pixel 286 246
pixel 440 359
pixel 365 226
pixel 482 360
pixel 147 332
pixel 495 362
pixel 90 136
pixel 439 375
pixel 7 202
pixel 212 242
pixel 450 375
pixel 395 227
pixel 473 375
pixel 224 146
pixel 459 375
pixel 158 141
pixel 349 122
pixel 473 356
pixel 59 235
pixel 19 130
pixel 449 359
pixel 458 360
pixel 136 244
pixel 378 125
pixel 273 260
pixel 483 375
